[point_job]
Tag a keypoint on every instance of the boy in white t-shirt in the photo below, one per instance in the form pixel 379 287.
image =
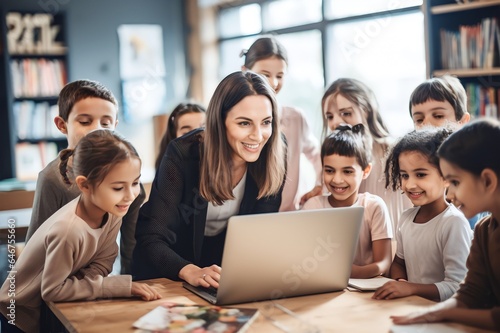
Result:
pixel 346 158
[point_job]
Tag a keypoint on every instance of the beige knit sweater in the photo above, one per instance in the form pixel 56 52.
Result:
pixel 65 260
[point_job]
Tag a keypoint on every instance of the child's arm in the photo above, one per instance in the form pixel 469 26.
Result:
pixel 451 311
pixel 398 289
pixel 381 261
pixel 312 203
pixel 402 288
pixel 398 269
pixel 376 216
pixel 103 261
pixel 455 243
pixel 474 293
pixel 472 317
pixel 65 245
pixel 101 267
pixel 317 190
pixel 144 291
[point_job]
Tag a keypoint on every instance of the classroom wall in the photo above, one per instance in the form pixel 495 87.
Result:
pixel 92 38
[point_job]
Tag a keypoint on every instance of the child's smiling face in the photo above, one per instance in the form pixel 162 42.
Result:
pixel 465 189
pixel 342 176
pixel 421 181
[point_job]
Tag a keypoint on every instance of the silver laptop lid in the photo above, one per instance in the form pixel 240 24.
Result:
pixel 270 256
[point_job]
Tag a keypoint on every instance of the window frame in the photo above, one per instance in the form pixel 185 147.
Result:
pixel 322 25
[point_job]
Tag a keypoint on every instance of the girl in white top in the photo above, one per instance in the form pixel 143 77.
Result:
pixel 470 161
pixel 70 256
pixel 266 56
pixel 434 237
pixel 349 101
pixel 346 157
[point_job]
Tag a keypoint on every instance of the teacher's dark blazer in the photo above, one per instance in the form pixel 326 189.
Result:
pixel 171 224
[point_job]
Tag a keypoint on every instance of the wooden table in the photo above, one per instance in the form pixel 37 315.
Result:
pixel 344 311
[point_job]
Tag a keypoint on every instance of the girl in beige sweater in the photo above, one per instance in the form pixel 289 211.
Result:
pixel 70 256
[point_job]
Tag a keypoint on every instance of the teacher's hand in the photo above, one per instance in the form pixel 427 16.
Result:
pixel 205 277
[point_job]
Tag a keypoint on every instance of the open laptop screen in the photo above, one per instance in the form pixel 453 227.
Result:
pixel 276 255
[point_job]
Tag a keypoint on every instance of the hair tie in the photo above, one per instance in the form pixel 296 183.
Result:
pixel 343 127
pixel 243 52
pixel 358 128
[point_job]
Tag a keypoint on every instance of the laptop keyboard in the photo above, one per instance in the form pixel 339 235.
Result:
pixel 210 290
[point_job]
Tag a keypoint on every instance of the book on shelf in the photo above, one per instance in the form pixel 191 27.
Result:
pixel 471 46
pixel 180 318
pixel 37 77
pixel 35 120
pixel 482 101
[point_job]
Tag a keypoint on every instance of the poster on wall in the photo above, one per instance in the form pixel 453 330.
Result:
pixel 143 98
pixel 142 71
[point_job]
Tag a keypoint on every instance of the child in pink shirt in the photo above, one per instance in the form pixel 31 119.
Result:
pixel 346 157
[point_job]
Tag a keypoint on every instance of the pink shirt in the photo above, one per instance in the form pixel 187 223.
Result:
pixel 300 140
pixel 376 223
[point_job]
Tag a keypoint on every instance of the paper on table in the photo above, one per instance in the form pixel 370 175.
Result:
pixel 368 284
pixel 424 328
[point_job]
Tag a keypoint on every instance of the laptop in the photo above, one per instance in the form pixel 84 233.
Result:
pixel 286 254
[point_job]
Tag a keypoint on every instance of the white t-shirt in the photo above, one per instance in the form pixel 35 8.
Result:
pixel 435 251
pixel 376 223
pixel 217 216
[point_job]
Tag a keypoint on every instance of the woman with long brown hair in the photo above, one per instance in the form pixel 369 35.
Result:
pixel 235 166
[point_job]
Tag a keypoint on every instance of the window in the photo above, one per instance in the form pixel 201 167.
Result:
pixel 384 54
pixel 346 8
pixel 288 13
pixel 378 42
pixel 304 83
pixel 243 20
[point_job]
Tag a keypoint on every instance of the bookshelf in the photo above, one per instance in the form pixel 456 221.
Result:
pixel 463 39
pixel 33 71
